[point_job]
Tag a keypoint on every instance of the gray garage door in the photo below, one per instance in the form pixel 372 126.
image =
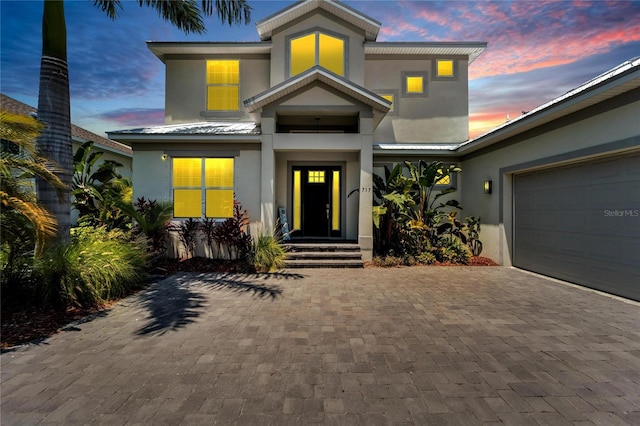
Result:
pixel 581 224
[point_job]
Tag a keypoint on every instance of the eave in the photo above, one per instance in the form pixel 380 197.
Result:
pixel 368 25
pixel 163 49
pixel 471 49
pixel 379 105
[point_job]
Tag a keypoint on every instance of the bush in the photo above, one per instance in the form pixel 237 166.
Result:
pixel 267 253
pixel 96 266
pixel 454 251
pixel 426 258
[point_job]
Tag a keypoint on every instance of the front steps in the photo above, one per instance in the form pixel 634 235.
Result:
pixel 323 255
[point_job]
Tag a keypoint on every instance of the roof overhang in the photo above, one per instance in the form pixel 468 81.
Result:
pixel 192 132
pixel 162 49
pixel 416 149
pixel 379 105
pixel 471 49
pixel 621 79
pixel 370 26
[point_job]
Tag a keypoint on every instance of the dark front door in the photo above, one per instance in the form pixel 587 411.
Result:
pixel 316 201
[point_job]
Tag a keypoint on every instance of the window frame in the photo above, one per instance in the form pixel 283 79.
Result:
pixel 317 31
pixel 207 85
pixel 425 87
pixel 203 188
pixel 437 77
pixel 395 106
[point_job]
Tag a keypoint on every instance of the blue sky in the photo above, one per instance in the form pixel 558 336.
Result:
pixel 537 50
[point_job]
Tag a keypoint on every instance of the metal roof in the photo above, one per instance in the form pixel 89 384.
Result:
pixel 472 49
pixel 618 80
pixel 370 26
pixel 201 128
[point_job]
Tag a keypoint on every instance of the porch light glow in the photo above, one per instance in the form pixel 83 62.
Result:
pixel 487 186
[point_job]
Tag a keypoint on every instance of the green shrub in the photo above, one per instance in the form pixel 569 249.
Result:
pixel 426 258
pixel 268 255
pixel 454 251
pixel 96 266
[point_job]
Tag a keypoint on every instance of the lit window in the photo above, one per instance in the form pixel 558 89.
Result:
pixel 445 180
pixel 199 182
pixel 316 49
pixel 414 84
pixel 444 68
pixel 223 90
pixel 316 176
pixel 390 99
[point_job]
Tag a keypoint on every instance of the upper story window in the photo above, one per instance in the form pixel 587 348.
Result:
pixel 314 49
pixel 223 85
pixel 445 69
pixel 414 84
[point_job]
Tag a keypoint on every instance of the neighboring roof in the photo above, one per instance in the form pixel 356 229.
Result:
pixel 163 48
pixel 78 133
pixel 380 105
pixel 244 130
pixel 471 49
pixel 620 79
pixel 369 25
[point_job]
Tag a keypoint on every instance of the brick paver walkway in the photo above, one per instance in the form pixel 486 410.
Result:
pixel 376 346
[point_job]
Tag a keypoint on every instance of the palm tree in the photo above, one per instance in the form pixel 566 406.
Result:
pixel 53 98
pixel 19 163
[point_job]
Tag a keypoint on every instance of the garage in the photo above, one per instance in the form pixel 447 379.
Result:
pixel 581 223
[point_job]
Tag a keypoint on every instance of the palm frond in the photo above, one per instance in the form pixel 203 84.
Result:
pixel 184 15
pixel 21 130
pixel 110 7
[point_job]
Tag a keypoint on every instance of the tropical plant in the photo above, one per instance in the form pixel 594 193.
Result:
pixel 188 235
pixel 232 233
pixel 473 232
pixel 153 220
pixel 95 266
pixel 97 192
pixel 208 229
pixel 267 253
pixel 19 164
pixel 53 97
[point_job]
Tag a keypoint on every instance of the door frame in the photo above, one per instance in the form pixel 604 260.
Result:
pixel 339 165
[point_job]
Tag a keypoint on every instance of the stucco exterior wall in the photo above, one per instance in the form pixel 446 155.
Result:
pixel 319 20
pixel 441 116
pixel 610 126
pixel 186 87
pixel 152 177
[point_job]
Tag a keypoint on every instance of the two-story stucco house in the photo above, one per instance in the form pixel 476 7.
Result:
pixel 298 122
pixel 292 121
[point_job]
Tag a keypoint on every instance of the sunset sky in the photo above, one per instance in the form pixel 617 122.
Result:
pixel 537 51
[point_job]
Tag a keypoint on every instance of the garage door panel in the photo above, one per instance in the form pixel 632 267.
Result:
pixel 577 223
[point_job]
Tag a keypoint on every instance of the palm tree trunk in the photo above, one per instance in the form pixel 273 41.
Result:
pixel 54 111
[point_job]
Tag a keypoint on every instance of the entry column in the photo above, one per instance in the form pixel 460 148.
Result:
pixel 267 190
pixel 365 215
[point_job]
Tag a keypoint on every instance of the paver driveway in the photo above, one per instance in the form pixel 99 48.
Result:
pixel 375 346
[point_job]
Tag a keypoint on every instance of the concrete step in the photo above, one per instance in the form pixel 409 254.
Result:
pixel 323 255
pixel 322 263
pixel 322 247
